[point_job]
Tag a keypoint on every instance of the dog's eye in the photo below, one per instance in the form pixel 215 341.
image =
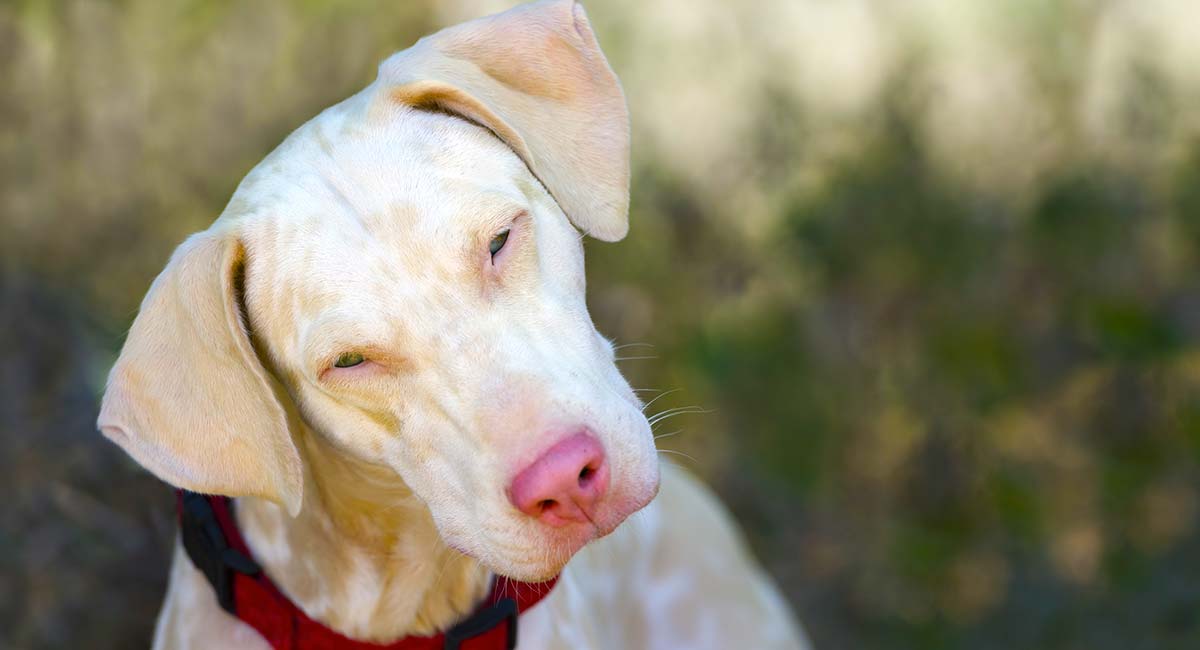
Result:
pixel 348 360
pixel 498 242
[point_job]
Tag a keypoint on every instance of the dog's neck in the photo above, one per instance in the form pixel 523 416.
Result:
pixel 363 555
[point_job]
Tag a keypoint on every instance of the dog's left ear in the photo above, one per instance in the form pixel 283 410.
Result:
pixel 536 77
pixel 188 397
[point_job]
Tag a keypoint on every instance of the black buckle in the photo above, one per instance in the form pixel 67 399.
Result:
pixel 206 545
pixel 505 610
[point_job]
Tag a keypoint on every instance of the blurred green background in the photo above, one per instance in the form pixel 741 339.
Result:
pixel 931 266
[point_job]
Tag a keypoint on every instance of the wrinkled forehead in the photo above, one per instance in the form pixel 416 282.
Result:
pixel 397 170
pixel 353 205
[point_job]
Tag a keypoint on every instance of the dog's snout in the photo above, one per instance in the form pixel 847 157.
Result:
pixel 564 484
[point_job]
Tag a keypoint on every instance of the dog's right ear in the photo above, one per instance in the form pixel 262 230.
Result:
pixel 188 397
pixel 535 76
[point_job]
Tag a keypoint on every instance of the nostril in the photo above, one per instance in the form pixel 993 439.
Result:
pixel 564 484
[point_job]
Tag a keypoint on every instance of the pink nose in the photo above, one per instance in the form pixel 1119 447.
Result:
pixel 564 484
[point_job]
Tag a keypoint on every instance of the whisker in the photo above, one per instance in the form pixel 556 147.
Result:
pixel 442 571
pixel 632 345
pixel 677 452
pixel 662 415
pixel 667 435
pixel 648 356
pixel 664 394
pixel 677 409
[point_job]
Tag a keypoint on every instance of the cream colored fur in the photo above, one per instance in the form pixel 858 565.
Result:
pixel 375 495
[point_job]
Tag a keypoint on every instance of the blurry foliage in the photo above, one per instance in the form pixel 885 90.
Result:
pixel 933 269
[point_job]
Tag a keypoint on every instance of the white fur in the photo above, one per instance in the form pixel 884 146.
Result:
pixel 375 495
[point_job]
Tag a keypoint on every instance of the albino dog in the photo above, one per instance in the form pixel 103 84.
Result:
pixel 381 348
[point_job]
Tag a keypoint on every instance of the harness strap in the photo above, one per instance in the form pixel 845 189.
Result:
pixel 216 547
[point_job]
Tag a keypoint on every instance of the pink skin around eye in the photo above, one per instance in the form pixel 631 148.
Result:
pixel 502 254
pixel 516 232
pixel 331 371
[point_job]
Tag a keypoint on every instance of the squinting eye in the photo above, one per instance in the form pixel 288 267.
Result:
pixel 348 360
pixel 498 242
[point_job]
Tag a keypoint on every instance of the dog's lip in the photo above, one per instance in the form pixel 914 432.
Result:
pixel 571 539
pixel 617 516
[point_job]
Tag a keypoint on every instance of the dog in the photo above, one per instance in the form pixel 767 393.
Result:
pixel 382 352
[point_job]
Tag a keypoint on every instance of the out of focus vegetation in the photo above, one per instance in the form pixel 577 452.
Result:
pixel 932 265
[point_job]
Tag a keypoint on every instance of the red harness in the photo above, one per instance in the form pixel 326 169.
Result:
pixel 213 542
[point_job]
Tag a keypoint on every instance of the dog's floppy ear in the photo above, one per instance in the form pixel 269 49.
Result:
pixel 536 77
pixel 188 397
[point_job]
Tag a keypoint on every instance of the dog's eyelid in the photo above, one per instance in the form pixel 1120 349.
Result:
pixel 509 220
pixel 497 243
pixel 361 361
pixel 349 360
pixel 339 355
pixel 503 234
pixel 332 370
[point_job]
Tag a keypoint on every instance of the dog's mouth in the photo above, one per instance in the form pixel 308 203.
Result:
pixel 546 549
pixel 570 541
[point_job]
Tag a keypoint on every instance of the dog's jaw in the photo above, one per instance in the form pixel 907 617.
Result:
pixel 362 556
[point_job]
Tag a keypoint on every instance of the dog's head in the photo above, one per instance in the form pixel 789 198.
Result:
pixel 404 276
